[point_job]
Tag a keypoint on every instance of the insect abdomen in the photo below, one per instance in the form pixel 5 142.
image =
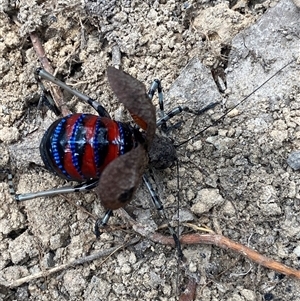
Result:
pixel 79 146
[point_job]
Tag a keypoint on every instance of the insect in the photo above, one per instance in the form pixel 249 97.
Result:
pixel 105 154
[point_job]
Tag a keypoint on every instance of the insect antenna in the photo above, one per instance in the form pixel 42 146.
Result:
pixel 180 259
pixel 235 106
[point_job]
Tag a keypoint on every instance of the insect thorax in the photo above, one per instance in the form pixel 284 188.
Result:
pixel 162 153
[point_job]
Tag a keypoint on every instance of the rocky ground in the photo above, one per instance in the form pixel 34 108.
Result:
pixel 234 177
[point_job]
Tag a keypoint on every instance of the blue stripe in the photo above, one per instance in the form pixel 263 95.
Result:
pixel 96 145
pixel 55 145
pixel 121 141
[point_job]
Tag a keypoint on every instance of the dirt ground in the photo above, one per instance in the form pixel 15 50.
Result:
pixel 234 177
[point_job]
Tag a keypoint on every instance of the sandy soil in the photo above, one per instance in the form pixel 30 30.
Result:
pixel 234 177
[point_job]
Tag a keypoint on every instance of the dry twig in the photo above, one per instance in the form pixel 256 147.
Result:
pixel 213 239
pixel 55 90
pixel 82 260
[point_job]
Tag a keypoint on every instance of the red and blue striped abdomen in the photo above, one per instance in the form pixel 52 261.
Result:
pixel 79 146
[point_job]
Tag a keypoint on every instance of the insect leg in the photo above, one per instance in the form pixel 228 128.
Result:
pixel 46 97
pixel 155 199
pixel 180 109
pixel 156 85
pixel 101 223
pixel 160 208
pixel 164 117
pixel 61 190
pixel 45 75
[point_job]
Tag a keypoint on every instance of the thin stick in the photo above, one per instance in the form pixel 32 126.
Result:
pixel 55 90
pixel 213 239
pixel 226 243
pixel 40 52
pixel 79 261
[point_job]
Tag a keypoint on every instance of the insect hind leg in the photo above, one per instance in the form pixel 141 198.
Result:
pixel 46 97
pixel 41 73
pixel 86 186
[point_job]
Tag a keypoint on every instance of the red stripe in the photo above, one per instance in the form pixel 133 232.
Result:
pixel 113 137
pixel 89 168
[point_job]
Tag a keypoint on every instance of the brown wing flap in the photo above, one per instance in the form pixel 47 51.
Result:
pixel 132 93
pixel 121 178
